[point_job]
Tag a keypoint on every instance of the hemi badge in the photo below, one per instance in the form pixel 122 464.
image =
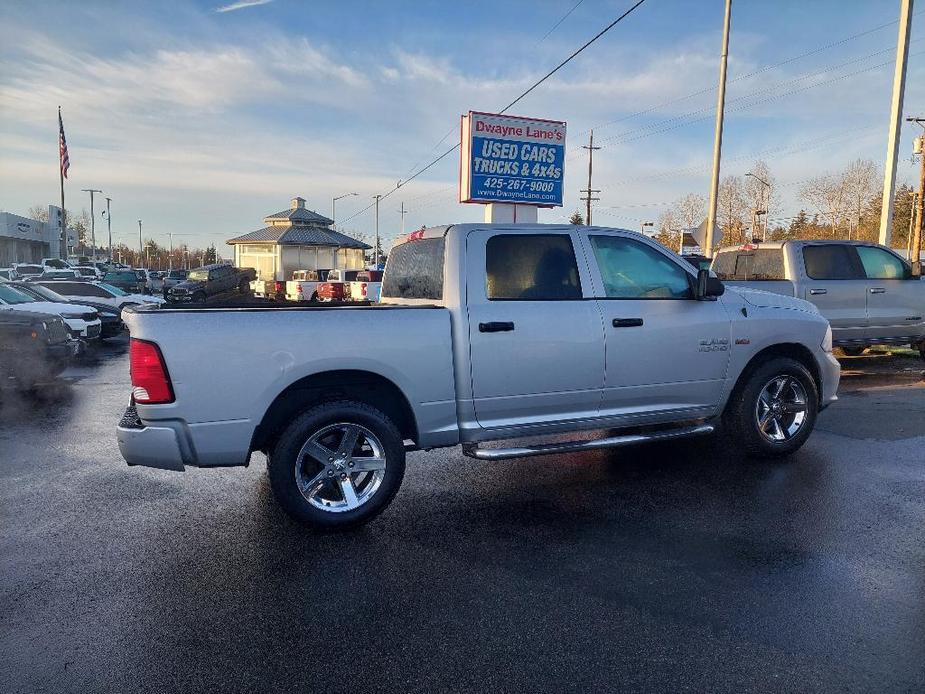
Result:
pixel 743 341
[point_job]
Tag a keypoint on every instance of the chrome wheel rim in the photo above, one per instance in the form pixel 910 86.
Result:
pixel 340 467
pixel 780 412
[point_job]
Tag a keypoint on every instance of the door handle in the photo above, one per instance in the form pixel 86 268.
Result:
pixel 877 290
pixel 814 292
pixel 627 322
pixel 496 327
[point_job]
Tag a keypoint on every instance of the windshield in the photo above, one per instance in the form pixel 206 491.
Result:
pixel 29 269
pixel 114 290
pixel 198 275
pixel 87 271
pixel 55 263
pixel 11 296
pixel 177 274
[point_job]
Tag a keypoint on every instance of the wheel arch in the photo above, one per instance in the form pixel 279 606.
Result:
pixel 351 384
pixel 793 350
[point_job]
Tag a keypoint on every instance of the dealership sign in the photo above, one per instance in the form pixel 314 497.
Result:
pixel 512 160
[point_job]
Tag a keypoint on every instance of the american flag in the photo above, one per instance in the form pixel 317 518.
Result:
pixel 62 147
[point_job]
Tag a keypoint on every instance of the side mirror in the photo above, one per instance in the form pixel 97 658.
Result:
pixel 708 288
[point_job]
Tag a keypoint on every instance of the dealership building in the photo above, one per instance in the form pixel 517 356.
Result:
pixel 25 240
pixel 296 239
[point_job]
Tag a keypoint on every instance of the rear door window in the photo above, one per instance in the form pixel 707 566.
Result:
pixel 414 270
pixel 531 267
pixel 832 261
pixel 764 264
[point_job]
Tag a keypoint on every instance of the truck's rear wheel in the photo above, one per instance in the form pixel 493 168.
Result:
pixel 773 411
pixel 337 465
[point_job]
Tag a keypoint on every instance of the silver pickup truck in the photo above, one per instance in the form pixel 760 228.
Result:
pixel 485 333
pixel 867 292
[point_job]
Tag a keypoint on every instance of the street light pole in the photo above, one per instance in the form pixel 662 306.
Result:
pixel 376 250
pixel 334 207
pixel 92 219
pixel 140 244
pixel 758 211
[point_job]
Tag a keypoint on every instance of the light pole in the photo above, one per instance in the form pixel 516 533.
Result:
pixel 758 212
pixel 106 213
pixel 140 244
pixel 644 225
pixel 334 207
pixel 92 219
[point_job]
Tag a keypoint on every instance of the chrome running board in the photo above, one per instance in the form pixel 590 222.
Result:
pixel 473 451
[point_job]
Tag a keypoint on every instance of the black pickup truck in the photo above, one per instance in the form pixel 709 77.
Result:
pixel 34 347
pixel 208 281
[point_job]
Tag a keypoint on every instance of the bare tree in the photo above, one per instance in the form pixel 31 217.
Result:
pixel 691 210
pixel 860 184
pixel 668 229
pixel 731 210
pixel 828 194
pixel 761 196
pixel 38 212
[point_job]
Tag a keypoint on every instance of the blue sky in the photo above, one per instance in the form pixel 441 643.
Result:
pixel 201 122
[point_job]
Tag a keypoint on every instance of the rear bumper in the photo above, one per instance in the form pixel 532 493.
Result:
pixel 157 447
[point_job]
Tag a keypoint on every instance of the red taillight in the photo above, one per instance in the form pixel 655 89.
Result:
pixel 150 382
pixel 363 288
pixel 280 287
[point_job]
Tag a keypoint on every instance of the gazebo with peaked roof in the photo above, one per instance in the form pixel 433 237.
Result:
pixel 296 239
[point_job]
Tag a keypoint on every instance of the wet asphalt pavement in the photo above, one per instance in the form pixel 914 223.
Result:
pixel 671 568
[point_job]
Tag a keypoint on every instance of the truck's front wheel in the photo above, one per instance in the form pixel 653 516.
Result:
pixel 773 410
pixel 338 465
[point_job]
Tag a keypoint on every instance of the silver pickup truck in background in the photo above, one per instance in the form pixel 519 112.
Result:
pixel 484 333
pixel 867 292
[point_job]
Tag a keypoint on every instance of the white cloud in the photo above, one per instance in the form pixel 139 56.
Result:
pixel 241 5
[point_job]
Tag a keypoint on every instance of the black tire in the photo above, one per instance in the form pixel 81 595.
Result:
pixel 854 350
pixel 199 298
pixel 283 459
pixel 741 419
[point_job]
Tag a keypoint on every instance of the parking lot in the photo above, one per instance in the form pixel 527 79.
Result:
pixel 677 567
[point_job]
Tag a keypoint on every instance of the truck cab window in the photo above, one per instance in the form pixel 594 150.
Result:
pixel 531 267
pixel 633 270
pixel 832 262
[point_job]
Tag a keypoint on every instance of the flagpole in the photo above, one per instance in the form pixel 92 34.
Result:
pixel 63 248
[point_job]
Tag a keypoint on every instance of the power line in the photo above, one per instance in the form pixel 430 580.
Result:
pixel 759 71
pixel 562 19
pixel 515 101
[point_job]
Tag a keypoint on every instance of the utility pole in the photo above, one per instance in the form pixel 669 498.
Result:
pixel 141 251
pixel 718 135
pixel 376 250
pixel 589 190
pixel 916 250
pixel 403 212
pixel 896 112
pixel 92 219
pixel 109 226
pixel 170 257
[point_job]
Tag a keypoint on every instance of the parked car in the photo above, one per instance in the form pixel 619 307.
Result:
pixel 366 286
pixel 126 280
pixel 100 292
pixel 9 273
pixel 211 280
pixel 486 332
pixel 867 292
pixel 111 323
pixel 52 274
pixel 156 281
pixel 172 278
pixel 269 289
pixel 35 347
pixel 335 288
pixel 28 269
pixel 82 322
pixel 304 284
pixel 145 279
pixel 55 264
pixel 88 272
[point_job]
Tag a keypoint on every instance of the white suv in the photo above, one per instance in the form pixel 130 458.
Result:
pixel 82 321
